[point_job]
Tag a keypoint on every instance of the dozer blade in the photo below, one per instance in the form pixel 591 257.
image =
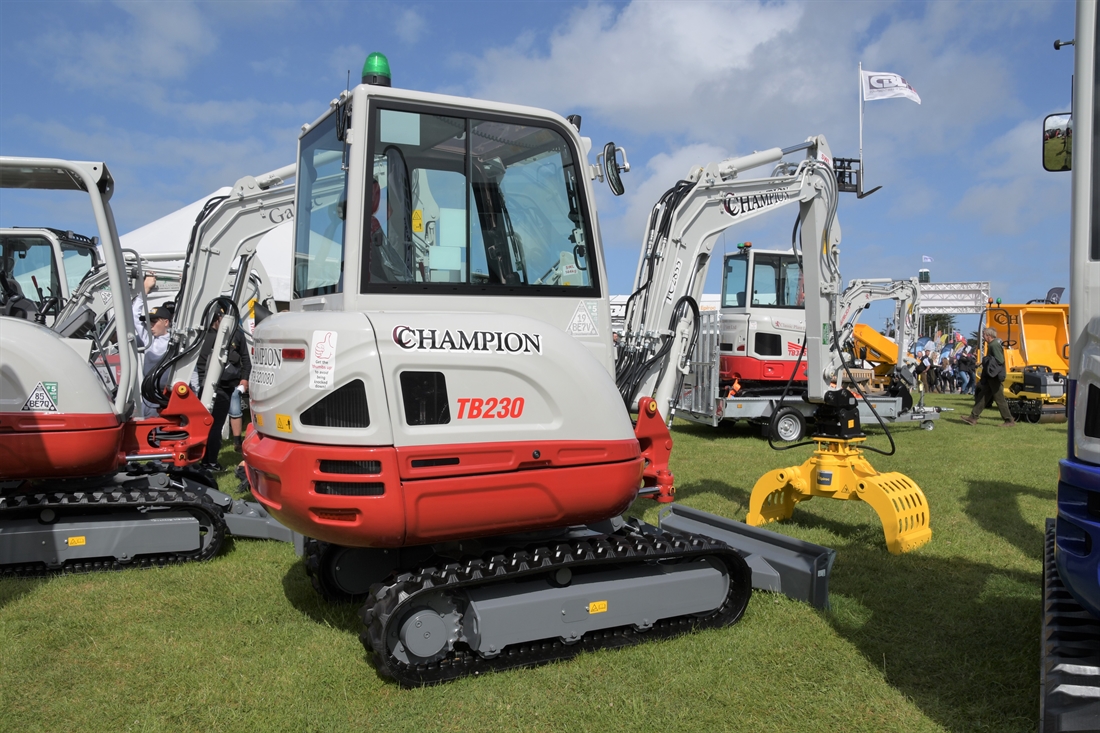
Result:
pixel 793 567
pixel 838 470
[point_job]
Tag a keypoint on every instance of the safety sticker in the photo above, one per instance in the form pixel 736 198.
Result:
pixel 322 364
pixel 76 541
pixel 597 607
pixel 259 419
pixel 43 398
pixel 282 423
pixel 418 220
pixel 584 321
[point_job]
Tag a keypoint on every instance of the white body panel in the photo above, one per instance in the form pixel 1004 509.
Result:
pixel 280 388
pixel 33 353
pixel 1085 270
pixel 567 393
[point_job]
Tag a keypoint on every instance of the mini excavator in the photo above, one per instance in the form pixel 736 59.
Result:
pixel 439 413
pixel 85 484
pixel 680 236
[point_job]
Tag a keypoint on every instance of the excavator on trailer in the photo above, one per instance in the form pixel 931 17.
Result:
pixel 438 413
pixel 84 484
pixel 680 235
pixel 746 353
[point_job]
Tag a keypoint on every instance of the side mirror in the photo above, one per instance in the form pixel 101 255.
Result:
pixel 609 159
pixel 1058 142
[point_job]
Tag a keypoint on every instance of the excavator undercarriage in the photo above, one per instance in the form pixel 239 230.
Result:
pixel 523 605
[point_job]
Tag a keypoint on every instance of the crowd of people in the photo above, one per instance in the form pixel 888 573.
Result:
pixel 947 373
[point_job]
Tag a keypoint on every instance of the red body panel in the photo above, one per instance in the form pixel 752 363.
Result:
pixel 749 368
pixel 58 445
pixel 184 415
pixel 73 445
pixel 493 489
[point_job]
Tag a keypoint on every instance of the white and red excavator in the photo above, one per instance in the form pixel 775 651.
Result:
pixel 85 483
pixel 439 414
pixel 745 356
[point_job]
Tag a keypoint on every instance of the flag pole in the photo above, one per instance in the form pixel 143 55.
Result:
pixel 861 128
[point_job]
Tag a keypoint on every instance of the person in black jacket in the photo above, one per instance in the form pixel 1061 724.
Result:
pixel 967 369
pixel 238 368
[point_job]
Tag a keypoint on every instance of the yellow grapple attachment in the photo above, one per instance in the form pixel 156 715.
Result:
pixel 838 470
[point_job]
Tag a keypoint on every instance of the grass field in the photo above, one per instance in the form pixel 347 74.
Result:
pixel 944 638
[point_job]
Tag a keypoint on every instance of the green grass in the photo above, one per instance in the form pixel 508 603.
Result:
pixel 1057 153
pixel 944 638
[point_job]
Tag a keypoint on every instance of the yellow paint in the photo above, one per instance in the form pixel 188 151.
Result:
pixel 418 220
pixel 900 504
pixel 282 423
pixel 76 541
pixel 597 607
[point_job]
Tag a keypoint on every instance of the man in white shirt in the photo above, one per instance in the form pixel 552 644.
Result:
pixel 156 343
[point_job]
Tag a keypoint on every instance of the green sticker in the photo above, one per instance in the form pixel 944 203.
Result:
pixel 825 333
pixel 51 390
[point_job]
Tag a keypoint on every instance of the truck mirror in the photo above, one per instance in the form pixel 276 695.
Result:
pixel 612 168
pixel 1058 142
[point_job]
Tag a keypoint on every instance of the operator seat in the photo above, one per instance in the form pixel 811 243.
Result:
pixel 13 303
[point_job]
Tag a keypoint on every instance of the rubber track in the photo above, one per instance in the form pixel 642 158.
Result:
pixel 387 604
pixel 1070 643
pixel 68 504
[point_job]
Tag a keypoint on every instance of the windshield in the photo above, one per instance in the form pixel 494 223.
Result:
pixel 733 282
pixel 777 281
pixel 482 203
pixel 78 260
pixel 321 209
pixel 29 260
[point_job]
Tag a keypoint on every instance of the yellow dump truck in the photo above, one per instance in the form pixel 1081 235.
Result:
pixel 1036 343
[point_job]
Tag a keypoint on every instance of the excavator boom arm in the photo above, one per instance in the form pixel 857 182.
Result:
pixel 680 236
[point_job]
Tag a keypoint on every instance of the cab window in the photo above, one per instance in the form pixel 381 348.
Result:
pixel 321 211
pixel 29 260
pixel 733 283
pixel 472 205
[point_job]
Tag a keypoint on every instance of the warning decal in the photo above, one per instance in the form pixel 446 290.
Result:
pixel 584 321
pixel 322 363
pixel 43 398
pixel 418 220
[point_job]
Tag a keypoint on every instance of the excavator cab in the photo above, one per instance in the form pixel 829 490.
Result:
pixel 449 337
pixel 763 319
pixel 40 268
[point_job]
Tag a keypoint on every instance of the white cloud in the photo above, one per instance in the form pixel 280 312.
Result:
pixel 158 41
pixel 172 168
pixel 660 173
pixel 345 58
pixel 409 26
pixel 1014 193
pixel 635 63
pixel 747 75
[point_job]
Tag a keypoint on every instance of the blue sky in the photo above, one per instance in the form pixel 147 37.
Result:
pixel 180 98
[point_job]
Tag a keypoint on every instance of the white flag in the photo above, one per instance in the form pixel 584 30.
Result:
pixel 881 85
pixel 926 258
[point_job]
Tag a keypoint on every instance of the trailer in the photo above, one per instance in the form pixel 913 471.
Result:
pixel 703 400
